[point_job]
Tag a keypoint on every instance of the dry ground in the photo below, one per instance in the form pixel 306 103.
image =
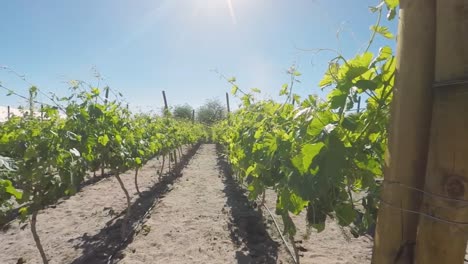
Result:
pixel 197 216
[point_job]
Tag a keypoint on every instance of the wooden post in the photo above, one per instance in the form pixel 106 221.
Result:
pixel 166 107
pixel 166 112
pixel 193 116
pixel 8 112
pixel 227 103
pixel 105 102
pixel 440 241
pixel 358 105
pixel 165 100
pixel 107 94
pixel 409 133
pixel 42 112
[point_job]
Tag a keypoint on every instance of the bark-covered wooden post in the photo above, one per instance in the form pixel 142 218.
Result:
pixel 106 99
pixel 358 105
pixel 166 107
pixel 409 133
pixel 107 94
pixel 8 112
pixel 227 104
pixel 166 113
pixel 440 241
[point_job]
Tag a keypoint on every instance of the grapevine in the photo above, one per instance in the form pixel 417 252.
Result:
pixel 321 156
pixel 44 158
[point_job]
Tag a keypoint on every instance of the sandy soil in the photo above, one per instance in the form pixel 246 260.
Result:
pixel 198 216
pixel 207 219
pixel 83 228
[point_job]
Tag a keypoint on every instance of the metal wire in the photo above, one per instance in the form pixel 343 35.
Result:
pixel 433 195
pixel 457 224
pixel 449 83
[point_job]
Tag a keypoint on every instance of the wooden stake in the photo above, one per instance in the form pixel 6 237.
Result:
pixel 447 168
pixel 8 112
pixel 166 107
pixel 409 132
pixel 165 100
pixel 107 94
pixel 227 103
pixel 359 105
pixel 193 116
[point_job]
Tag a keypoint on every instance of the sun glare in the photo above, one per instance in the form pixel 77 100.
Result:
pixel 231 12
pixel 229 9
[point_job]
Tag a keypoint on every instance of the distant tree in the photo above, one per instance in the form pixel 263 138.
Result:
pixel 212 111
pixel 182 111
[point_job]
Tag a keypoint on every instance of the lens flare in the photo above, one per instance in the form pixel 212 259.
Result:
pixel 231 12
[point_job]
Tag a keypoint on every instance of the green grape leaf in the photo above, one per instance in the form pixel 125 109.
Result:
pixel 103 140
pixel 382 30
pixel 392 3
pixel 330 76
pixel 284 89
pixel 23 212
pixel 8 187
pixel 95 91
pixel 234 89
pixel 255 90
pixel 384 54
pixel 319 227
pixel 350 123
pixel 355 67
pixel 391 14
pixel 138 161
pixel 366 85
pixel 345 214
pixel 337 98
pixel 297 204
pixel 303 160
pixel 118 138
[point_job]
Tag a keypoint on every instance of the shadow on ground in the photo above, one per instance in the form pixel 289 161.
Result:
pixel 107 245
pixel 246 224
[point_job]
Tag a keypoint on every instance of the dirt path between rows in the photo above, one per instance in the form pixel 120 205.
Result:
pixel 204 219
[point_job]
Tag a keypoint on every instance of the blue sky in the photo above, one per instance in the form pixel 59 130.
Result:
pixel 143 47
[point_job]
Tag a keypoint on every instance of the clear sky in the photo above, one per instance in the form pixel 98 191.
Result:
pixel 142 47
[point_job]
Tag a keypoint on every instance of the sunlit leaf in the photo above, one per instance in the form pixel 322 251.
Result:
pixel 234 89
pixel 255 90
pixel 303 160
pixel 382 30
pixel 103 140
